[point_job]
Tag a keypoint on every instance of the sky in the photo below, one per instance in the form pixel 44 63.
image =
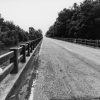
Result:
pixel 40 14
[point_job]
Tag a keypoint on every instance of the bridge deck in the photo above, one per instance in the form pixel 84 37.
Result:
pixel 67 70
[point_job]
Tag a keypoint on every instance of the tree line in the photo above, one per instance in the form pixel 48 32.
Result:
pixel 78 21
pixel 11 34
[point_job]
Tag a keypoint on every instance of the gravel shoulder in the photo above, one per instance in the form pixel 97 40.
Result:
pixel 64 74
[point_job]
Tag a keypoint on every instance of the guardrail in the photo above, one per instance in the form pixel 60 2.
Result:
pixel 16 55
pixel 93 43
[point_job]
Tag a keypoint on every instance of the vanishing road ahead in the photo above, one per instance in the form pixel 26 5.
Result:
pixel 67 70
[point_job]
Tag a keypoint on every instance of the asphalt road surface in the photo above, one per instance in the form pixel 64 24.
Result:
pixel 66 71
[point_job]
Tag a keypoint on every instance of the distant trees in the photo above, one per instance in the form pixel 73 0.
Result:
pixel 11 34
pixel 33 34
pixel 80 21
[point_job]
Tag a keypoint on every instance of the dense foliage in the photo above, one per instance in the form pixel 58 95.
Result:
pixel 33 34
pixel 80 21
pixel 11 34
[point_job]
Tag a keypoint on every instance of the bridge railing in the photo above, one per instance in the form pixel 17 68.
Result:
pixel 16 55
pixel 93 43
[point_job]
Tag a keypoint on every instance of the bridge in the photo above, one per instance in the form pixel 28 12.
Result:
pixel 65 71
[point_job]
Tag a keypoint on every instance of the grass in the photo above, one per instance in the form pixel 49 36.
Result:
pixel 4 49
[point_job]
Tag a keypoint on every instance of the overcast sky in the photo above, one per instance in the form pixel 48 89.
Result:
pixel 37 13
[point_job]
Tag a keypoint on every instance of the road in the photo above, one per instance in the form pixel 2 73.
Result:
pixel 66 71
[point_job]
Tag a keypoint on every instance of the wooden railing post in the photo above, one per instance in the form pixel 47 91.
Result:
pixel 96 43
pixel 35 43
pixel 31 47
pixel 23 52
pixel 85 42
pixel 14 60
pixel 28 49
pixel 76 40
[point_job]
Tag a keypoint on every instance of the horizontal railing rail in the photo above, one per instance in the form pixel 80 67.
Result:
pixel 93 43
pixel 5 57
pixel 15 56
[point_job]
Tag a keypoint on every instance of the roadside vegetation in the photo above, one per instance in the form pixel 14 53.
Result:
pixel 79 21
pixel 12 35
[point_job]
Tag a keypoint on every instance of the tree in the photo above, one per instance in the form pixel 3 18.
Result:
pixel 79 21
pixel 11 34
